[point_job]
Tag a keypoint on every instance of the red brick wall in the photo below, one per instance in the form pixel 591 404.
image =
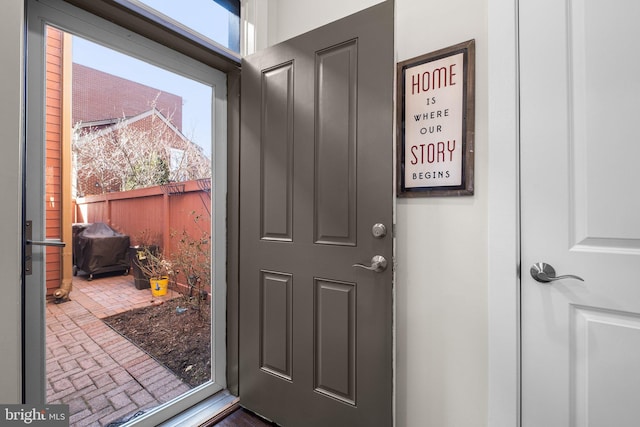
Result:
pixel 99 96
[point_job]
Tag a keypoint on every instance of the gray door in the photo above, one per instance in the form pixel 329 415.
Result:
pixel 316 176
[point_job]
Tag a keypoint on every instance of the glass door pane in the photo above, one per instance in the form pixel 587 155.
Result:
pixel 128 142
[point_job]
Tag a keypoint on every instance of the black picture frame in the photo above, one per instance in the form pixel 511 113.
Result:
pixel 435 123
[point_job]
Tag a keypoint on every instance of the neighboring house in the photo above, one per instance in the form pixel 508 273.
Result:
pixel 128 135
pixel 134 152
pixel 97 95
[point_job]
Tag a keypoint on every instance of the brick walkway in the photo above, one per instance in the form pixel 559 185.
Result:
pixel 92 368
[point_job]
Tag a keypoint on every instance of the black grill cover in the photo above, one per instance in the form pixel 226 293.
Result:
pixel 101 249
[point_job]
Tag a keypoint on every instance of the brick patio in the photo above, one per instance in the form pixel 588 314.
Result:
pixel 97 372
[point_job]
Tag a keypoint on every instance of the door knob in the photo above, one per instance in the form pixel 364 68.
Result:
pixel 545 273
pixel 378 264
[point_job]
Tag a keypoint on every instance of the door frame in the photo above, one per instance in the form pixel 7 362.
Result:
pixel 94 26
pixel 13 46
pixel 12 33
pixel 504 216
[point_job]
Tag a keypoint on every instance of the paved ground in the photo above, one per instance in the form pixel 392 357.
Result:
pixel 93 369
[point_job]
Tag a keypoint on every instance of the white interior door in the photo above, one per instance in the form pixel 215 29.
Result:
pixel 580 212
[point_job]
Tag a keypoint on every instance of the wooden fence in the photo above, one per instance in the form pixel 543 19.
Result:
pixel 152 215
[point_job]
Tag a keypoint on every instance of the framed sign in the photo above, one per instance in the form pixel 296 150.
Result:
pixel 435 128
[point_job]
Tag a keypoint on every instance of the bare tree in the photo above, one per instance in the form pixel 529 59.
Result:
pixel 137 152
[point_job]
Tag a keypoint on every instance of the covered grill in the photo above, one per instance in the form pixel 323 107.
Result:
pixel 101 249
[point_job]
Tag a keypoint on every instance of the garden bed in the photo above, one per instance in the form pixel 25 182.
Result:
pixel 177 338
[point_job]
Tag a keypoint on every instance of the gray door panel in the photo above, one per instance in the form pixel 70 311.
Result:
pixel 316 175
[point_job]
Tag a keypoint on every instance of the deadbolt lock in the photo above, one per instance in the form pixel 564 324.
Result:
pixel 379 231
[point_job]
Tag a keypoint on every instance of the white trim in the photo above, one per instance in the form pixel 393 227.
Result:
pixel 202 413
pixel 504 253
pixel 254 18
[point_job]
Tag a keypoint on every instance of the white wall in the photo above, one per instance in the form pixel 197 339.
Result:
pixel 442 251
pixel 441 288
pixel 11 46
pixel 289 18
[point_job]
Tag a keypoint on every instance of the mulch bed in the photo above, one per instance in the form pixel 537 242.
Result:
pixel 179 339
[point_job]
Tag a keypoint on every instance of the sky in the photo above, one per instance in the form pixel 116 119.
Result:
pixel 210 20
pixel 196 97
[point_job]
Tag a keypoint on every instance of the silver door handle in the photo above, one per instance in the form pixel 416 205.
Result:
pixel 56 243
pixel 545 273
pixel 378 264
pixel 28 258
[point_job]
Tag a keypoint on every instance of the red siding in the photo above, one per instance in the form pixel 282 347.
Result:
pixel 53 135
